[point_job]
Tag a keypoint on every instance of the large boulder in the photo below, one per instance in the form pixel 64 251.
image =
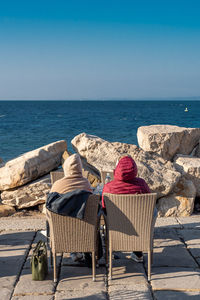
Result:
pixel 28 195
pixel 6 210
pixel 31 165
pixel 196 151
pixel 190 168
pixel 168 140
pixel 180 203
pixel 159 174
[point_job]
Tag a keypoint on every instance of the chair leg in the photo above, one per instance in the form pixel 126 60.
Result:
pixel 93 266
pixel 152 256
pixel 54 267
pixel 110 264
pixel 51 257
pixel 149 265
pixel 107 243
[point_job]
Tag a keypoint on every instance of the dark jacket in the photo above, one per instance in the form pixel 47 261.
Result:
pixel 70 204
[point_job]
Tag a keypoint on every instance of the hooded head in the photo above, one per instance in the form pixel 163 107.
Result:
pixel 126 169
pixel 72 166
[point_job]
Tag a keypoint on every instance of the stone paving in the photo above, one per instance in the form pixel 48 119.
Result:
pixel 175 269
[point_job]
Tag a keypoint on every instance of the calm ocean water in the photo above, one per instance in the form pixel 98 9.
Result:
pixel 27 125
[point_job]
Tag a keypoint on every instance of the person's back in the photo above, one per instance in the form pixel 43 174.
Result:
pixel 126 182
pixel 72 181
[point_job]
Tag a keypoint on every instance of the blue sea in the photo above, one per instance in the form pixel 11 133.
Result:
pixel 27 125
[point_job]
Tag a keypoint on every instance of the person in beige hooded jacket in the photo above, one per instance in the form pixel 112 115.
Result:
pixel 72 180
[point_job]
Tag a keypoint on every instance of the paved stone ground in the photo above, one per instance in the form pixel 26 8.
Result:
pixel 175 270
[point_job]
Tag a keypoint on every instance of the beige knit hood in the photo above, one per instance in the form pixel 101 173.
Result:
pixel 73 166
pixel 73 178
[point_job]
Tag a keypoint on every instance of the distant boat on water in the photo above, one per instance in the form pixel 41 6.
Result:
pixel 186 109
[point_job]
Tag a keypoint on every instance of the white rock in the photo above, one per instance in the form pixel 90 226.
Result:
pixel 168 140
pixel 180 203
pixel 159 174
pixel 28 195
pixel 190 168
pixel 31 165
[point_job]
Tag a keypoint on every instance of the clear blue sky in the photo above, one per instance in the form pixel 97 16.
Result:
pixel 98 49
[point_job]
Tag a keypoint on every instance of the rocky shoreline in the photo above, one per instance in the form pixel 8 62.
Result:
pixel 168 158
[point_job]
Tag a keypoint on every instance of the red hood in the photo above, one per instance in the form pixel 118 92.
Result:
pixel 126 170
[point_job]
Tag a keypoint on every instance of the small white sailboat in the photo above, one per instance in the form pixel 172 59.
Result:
pixel 186 109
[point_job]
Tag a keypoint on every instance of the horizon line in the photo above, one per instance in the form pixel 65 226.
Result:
pixel 144 99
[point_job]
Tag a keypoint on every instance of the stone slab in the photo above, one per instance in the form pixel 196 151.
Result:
pixel 14 238
pixel 11 262
pixel 175 278
pixel 13 250
pixel 192 240
pixel 22 224
pixel 33 297
pixel 127 272
pixel 80 279
pixel 190 222
pixel 172 257
pixel 27 286
pixel 78 295
pixel 7 286
pixel 198 261
pixel 173 295
pixel 164 237
pixel 167 222
pixel 127 293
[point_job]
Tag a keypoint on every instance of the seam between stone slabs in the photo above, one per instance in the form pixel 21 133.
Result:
pixel 185 244
pixel 184 226
pixel 33 294
pixel 26 255
pixel 179 223
pixel 177 290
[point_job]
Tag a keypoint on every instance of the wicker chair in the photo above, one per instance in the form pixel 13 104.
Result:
pixel 69 234
pixel 103 175
pixel 130 224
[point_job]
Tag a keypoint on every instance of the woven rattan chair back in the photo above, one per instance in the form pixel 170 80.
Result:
pixel 130 223
pixel 103 175
pixel 69 234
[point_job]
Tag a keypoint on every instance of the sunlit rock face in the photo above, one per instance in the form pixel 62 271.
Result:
pixel 180 202
pixel 159 174
pixel 168 140
pixel 190 168
pixel 28 195
pixel 31 165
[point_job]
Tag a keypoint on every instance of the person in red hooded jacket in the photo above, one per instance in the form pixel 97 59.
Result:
pixel 126 182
